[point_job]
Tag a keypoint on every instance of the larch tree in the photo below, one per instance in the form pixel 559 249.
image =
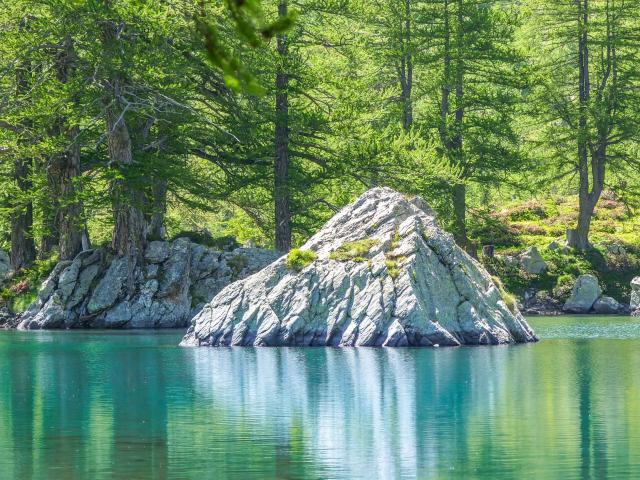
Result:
pixel 470 46
pixel 587 93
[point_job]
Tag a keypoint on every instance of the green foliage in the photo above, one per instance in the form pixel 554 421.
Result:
pixel 249 20
pixel 366 82
pixel 297 258
pixel 23 288
pixel 355 251
pixel 564 286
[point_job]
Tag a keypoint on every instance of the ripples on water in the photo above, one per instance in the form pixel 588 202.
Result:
pixel 132 405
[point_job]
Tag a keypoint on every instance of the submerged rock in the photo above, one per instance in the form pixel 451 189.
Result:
pixel 169 288
pixel 380 273
pixel 584 294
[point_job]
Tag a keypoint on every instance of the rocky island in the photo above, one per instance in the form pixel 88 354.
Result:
pixel 381 272
pixel 172 284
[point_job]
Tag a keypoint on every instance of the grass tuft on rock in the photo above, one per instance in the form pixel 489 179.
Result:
pixel 509 299
pixel 297 258
pixel 356 251
pixel 392 268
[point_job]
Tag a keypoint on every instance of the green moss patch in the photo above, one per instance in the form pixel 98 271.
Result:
pixel 297 258
pixel 509 299
pixel 356 251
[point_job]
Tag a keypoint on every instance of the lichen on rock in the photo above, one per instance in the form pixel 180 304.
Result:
pixel 409 285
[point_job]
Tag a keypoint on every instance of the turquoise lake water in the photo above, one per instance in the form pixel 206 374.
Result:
pixel 123 405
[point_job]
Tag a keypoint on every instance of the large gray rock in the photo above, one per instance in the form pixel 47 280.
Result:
pixel 168 289
pixel 110 287
pixel 635 294
pixel 532 262
pixel 384 274
pixel 584 294
pixel 607 305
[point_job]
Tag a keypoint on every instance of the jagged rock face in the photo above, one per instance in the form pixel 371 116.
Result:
pixel 7 319
pixel 5 265
pixel 413 287
pixel 635 295
pixel 584 294
pixel 173 284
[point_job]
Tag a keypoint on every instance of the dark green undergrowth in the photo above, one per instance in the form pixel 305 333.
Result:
pixel 22 289
pixel 614 258
pixel 224 243
pixel 614 272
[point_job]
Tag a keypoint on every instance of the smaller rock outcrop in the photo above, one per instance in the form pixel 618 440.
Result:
pixel 554 245
pixel 540 303
pixel 172 284
pixel 635 296
pixel 7 319
pixel 584 294
pixel 532 262
pixel 607 306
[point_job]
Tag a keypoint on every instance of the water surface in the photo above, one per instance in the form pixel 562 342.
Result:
pixel 123 405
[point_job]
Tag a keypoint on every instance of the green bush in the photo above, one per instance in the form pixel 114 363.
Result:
pixel 527 211
pixel 392 268
pixel 489 230
pixel 203 237
pixel 297 258
pixel 564 286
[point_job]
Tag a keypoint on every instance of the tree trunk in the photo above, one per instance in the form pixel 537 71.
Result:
pixel 129 230
pixel 406 68
pixel 157 229
pixel 49 237
pixel 460 214
pixel 23 250
pixel 588 194
pixel 281 170
pixel 69 222
pixel 129 224
pixel 446 77
pixel 455 141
